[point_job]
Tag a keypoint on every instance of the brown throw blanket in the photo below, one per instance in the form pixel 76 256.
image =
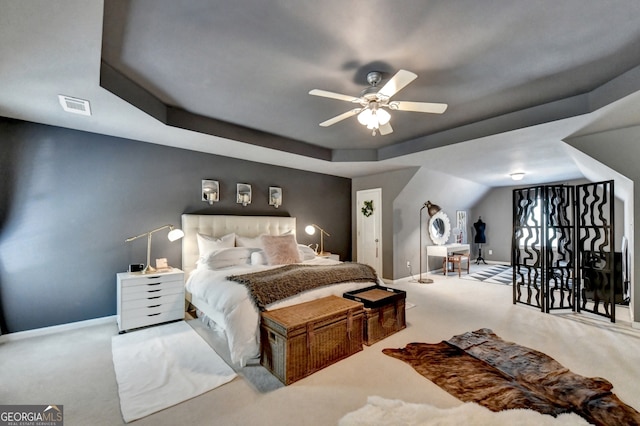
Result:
pixel 480 367
pixel 269 286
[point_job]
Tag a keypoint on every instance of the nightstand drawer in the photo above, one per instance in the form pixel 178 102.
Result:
pixel 143 291
pixel 128 305
pixel 132 280
pixel 151 318
pixel 153 309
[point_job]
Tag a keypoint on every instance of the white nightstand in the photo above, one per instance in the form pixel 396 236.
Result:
pixel 330 256
pixel 148 299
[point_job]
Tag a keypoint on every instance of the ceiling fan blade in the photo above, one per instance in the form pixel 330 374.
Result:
pixel 340 117
pixel 432 108
pixel 385 129
pixel 397 83
pixel 332 95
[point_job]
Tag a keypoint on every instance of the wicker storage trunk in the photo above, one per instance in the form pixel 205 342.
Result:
pixel 383 311
pixel 302 339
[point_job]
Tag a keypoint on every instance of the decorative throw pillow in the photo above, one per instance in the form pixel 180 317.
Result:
pixel 306 252
pixel 207 243
pixel 224 258
pixel 280 249
pixel 258 258
pixel 248 241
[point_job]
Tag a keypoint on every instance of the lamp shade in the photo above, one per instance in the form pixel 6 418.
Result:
pixel 432 208
pixel 175 234
pixel 383 117
pixel 365 117
pixel 310 229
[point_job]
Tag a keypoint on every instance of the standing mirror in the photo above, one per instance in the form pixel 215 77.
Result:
pixel 439 228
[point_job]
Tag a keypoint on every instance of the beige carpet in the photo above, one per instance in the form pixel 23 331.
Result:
pixel 75 368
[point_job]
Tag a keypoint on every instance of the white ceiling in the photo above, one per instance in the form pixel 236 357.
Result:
pixel 519 77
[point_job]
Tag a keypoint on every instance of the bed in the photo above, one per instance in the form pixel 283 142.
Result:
pixel 209 257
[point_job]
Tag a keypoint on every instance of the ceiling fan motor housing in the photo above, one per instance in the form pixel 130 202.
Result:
pixel 374 77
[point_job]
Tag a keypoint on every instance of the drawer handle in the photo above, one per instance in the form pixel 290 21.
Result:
pixel 154 283
pixel 153 306
pixel 153 315
pixel 154 297
pixel 153 278
pixel 153 291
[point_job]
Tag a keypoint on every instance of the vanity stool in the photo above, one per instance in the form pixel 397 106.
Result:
pixel 453 260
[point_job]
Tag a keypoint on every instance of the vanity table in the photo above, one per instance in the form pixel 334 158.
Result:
pixel 439 231
pixel 445 249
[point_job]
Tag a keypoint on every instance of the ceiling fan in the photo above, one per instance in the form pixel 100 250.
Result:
pixel 371 112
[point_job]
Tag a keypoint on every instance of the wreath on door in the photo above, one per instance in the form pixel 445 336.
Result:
pixel 367 210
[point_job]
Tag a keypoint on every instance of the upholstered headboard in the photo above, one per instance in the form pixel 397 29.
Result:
pixel 219 225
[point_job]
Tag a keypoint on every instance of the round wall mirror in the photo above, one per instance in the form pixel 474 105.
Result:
pixel 439 228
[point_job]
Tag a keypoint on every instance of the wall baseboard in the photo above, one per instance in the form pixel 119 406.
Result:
pixel 38 332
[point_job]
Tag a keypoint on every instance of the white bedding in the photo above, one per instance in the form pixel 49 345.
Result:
pixel 229 305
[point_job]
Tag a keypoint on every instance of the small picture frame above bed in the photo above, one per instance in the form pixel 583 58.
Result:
pixel 275 196
pixel 243 194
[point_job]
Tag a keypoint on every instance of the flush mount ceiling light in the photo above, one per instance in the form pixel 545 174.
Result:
pixel 517 176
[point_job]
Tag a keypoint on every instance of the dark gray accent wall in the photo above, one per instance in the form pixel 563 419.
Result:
pixel 71 198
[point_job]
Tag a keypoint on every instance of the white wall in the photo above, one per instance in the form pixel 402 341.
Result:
pixel 391 183
pixel 449 192
pixel 620 150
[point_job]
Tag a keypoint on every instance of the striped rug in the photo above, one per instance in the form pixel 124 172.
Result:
pixel 497 274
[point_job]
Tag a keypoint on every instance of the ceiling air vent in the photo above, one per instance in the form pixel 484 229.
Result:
pixel 75 105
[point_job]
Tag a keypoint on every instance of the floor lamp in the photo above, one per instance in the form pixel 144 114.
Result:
pixel 421 280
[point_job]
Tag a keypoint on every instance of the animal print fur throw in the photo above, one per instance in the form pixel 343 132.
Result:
pixel 480 367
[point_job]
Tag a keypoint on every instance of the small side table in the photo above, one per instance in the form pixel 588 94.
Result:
pixel 149 299
pixel 454 259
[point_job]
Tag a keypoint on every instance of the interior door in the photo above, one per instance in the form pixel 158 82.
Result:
pixel 369 228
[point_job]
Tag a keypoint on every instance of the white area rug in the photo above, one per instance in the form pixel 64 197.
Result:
pixel 162 366
pixel 382 412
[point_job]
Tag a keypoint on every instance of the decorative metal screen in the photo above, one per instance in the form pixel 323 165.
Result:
pixel 527 245
pixel 562 248
pixel 599 267
pixel 543 247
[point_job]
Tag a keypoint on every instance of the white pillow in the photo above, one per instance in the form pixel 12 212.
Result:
pixel 207 243
pixel 248 241
pixel 306 252
pixel 224 258
pixel 258 258
pixel 280 249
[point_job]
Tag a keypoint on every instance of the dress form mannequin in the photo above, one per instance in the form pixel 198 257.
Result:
pixel 480 238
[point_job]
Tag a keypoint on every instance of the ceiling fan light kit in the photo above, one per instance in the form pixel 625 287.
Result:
pixel 373 101
pixel 373 117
